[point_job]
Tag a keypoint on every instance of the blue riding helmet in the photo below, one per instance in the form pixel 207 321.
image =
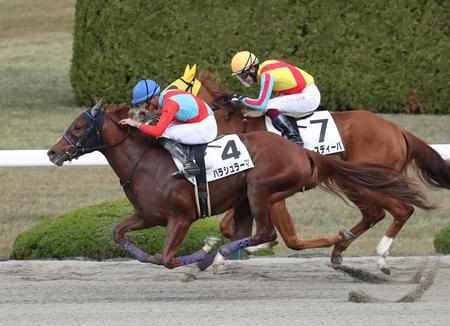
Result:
pixel 144 90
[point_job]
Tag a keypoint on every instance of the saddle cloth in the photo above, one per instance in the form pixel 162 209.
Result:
pixel 318 131
pixel 224 156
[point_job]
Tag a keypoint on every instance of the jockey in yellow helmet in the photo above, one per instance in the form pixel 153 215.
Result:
pixel 296 93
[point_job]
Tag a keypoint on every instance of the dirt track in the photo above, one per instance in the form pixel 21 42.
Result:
pixel 259 291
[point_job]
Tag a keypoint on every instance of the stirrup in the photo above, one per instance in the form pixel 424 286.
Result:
pixel 186 173
pixel 296 139
pixel 178 174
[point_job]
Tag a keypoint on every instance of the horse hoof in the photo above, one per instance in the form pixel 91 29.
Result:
pixel 191 274
pixel 188 277
pixel 348 235
pixel 336 261
pixel 386 270
pixel 215 269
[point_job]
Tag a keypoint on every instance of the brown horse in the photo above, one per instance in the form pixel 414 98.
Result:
pixel 367 138
pixel 145 169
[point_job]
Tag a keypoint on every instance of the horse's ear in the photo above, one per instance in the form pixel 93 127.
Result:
pixel 189 73
pixel 97 107
pixel 186 71
pixel 193 71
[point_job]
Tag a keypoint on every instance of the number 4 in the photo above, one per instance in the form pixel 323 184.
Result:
pixel 230 151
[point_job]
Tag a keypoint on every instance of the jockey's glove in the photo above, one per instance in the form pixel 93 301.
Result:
pixel 236 98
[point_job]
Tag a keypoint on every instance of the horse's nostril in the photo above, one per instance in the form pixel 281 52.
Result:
pixel 51 152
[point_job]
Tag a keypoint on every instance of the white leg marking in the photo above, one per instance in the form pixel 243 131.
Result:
pixel 259 247
pixel 384 245
pixel 210 242
pixel 383 252
pixel 218 261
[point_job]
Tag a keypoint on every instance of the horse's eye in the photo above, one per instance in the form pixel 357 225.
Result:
pixel 77 127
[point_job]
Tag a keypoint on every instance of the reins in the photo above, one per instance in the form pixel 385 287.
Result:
pixel 127 182
pixel 230 111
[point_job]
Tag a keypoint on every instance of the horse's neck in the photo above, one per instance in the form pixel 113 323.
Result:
pixel 124 156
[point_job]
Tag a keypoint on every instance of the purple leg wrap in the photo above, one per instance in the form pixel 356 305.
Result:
pixel 227 249
pixel 195 257
pixel 136 252
pixel 207 261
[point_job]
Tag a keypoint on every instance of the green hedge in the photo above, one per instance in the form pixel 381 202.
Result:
pixel 363 54
pixel 442 241
pixel 87 232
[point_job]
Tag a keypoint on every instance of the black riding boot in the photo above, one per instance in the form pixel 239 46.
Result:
pixel 284 125
pixel 179 151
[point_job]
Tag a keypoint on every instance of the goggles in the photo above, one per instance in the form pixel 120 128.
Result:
pixel 142 105
pixel 242 76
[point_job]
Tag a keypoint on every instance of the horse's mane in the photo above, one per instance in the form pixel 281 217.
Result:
pixel 116 112
pixel 206 80
pixel 115 108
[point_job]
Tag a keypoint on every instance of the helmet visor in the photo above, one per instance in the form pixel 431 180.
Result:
pixel 242 78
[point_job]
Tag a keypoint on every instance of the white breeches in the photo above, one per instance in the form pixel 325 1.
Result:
pixel 297 105
pixel 201 132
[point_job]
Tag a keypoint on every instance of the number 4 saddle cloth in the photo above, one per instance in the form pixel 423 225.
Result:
pixel 318 131
pixel 224 156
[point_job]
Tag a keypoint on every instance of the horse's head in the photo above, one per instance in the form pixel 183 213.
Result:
pixel 84 134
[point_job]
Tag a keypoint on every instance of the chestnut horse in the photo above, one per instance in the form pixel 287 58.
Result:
pixel 145 169
pixel 367 138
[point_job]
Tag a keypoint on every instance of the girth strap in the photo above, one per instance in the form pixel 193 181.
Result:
pixel 202 190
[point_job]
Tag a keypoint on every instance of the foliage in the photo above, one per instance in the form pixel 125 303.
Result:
pixel 87 232
pixel 373 55
pixel 442 241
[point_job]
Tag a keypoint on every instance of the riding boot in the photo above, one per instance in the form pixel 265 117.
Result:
pixel 180 152
pixel 284 125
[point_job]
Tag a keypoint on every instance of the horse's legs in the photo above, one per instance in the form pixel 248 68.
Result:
pixel 283 222
pixel 226 224
pixel 370 216
pixel 134 222
pixel 175 232
pixel 265 231
pixel 401 213
pixel 242 220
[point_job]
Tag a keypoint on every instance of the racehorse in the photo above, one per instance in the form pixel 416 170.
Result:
pixel 367 138
pixel 144 169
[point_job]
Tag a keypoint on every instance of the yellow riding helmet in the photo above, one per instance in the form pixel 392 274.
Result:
pixel 242 61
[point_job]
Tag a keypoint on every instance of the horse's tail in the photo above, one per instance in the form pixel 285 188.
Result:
pixel 354 179
pixel 429 164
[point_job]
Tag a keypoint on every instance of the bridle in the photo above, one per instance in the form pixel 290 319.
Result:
pixel 90 140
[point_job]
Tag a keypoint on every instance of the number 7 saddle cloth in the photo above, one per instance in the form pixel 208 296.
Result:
pixel 318 131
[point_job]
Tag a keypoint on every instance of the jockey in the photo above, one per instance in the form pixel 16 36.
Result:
pixel 185 119
pixel 296 93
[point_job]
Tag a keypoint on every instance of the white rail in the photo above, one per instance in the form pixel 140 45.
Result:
pixel 38 158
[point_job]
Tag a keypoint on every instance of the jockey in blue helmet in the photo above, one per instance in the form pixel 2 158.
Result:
pixel 185 119
pixel 144 91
